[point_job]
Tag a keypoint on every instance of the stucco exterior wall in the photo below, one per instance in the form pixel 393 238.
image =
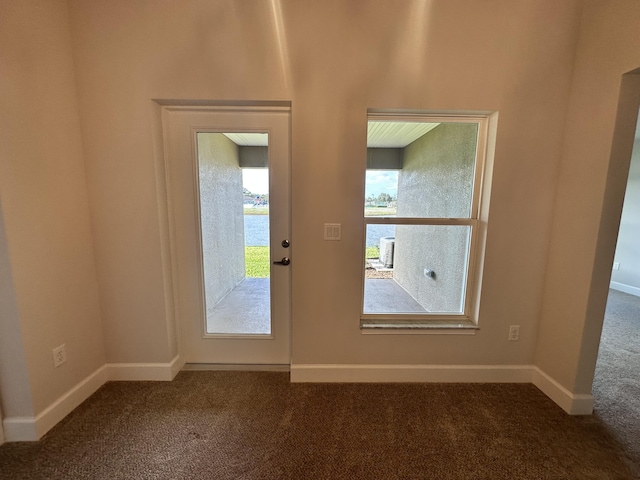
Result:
pixel 222 217
pixel 436 181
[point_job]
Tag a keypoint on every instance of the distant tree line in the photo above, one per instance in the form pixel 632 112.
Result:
pixel 381 198
pixel 258 198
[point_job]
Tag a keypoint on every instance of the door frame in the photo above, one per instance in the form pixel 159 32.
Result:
pixel 167 209
pixel 622 144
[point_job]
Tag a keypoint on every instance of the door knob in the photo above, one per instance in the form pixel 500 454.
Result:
pixel 285 243
pixel 284 261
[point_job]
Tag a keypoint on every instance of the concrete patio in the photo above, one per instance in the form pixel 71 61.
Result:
pixel 246 309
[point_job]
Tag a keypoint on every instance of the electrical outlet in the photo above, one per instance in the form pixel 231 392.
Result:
pixel 59 355
pixel 514 333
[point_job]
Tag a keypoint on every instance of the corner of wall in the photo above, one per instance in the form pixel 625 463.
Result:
pixel 145 371
pixel 15 392
pixel 573 404
pixel 32 428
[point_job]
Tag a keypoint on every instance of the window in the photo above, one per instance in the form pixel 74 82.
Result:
pixel 421 215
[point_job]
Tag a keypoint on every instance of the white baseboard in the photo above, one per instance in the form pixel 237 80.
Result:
pixel 623 287
pixel 18 429
pixel 411 373
pixel 573 404
pixel 176 366
pixel 24 429
pixel 145 371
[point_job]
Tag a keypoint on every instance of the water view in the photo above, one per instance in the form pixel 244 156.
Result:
pixel 256 231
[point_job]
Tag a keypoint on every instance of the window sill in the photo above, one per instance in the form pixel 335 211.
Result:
pixel 378 327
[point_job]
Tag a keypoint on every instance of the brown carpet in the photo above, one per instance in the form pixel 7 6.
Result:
pixel 257 425
pixel 616 386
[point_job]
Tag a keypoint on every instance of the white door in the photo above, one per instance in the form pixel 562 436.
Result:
pixel 228 185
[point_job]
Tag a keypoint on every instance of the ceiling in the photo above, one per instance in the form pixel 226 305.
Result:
pixel 380 134
pixel 395 134
pixel 249 139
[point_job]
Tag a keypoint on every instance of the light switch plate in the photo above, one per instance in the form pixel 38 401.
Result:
pixel 333 231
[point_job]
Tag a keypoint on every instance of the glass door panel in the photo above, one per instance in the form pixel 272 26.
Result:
pixel 234 225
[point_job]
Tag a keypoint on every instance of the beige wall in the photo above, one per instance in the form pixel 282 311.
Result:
pixel 549 250
pixel 15 391
pixel 49 286
pixel 591 183
pixel 333 59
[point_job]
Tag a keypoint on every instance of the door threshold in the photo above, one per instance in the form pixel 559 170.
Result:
pixel 236 367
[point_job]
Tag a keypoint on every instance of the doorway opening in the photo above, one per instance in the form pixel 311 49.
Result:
pixel 615 384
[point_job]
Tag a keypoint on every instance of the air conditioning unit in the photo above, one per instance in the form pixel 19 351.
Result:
pixel 386 251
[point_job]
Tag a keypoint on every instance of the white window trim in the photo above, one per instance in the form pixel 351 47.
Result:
pixel 440 323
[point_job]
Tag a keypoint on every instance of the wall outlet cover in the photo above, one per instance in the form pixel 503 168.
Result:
pixel 59 355
pixel 514 333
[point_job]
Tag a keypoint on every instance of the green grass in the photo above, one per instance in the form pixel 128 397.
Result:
pixel 256 261
pixel 379 212
pixel 257 264
pixel 256 211
pixel 372 252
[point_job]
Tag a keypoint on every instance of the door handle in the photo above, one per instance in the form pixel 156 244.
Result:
pixel 284 261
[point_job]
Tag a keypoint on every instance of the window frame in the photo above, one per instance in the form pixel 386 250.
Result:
pixel 468 318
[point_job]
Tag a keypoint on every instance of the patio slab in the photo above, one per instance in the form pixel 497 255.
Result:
pixel 246 309
pixel 384 295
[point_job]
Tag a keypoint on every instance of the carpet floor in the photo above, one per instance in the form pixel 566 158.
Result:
pixel 257 425
pixel 616 386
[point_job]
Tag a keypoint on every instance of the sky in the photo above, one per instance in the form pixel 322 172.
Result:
pixel 256 180
pixel 377 181
pixel 381 181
